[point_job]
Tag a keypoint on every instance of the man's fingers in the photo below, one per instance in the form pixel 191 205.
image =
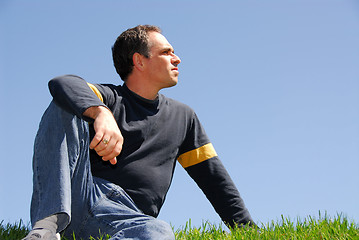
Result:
pixel 113 161
pixel 110 151
pixel 105 145
pixel 96 140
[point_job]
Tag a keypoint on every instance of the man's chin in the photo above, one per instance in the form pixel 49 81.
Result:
pixel 172 83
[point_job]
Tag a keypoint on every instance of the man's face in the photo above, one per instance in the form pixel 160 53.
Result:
pixel 162 63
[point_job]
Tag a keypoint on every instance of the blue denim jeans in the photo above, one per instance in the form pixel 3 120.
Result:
pixel 63 183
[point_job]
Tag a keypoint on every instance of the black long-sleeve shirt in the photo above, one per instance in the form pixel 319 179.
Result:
pixel 156 134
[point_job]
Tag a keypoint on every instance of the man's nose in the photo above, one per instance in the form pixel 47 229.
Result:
pixel 176 60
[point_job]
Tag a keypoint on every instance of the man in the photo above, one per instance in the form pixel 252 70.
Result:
pixel 135 136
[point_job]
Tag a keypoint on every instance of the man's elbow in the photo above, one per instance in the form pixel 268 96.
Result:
pixel 60 82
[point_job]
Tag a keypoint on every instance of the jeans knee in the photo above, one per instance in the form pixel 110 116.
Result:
pixel 162 230
pixel 151 229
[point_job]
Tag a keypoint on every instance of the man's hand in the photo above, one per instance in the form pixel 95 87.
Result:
pixel 108 139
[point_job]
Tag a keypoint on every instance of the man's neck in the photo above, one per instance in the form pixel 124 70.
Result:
pixel 142 89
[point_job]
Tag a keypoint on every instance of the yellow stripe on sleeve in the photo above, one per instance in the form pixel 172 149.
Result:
pixel 96 91
pixel 197 155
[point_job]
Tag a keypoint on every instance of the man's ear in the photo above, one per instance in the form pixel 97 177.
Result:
pixel 138 61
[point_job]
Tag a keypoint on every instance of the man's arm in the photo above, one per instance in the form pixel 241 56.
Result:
pixel 198 157
pixel 216 184
pixel 73 94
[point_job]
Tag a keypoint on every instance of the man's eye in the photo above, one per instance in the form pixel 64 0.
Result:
pixel 168 52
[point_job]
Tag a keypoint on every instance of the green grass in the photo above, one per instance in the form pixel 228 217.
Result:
pixel 310 228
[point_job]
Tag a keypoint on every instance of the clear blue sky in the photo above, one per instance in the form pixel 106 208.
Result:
pixel 275 84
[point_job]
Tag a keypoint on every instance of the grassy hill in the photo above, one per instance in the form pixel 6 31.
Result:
pixel 309 228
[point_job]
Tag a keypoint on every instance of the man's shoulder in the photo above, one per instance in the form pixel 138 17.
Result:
pixel 108 88
pixel 176 103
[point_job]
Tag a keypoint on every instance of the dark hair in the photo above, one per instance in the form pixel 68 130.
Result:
pixel 128 43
